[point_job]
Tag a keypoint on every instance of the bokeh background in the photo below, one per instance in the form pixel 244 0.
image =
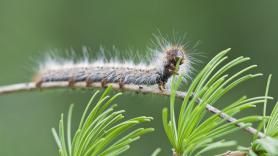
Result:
pixel 30 28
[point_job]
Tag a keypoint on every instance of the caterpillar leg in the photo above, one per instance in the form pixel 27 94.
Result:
pixel 39 84
pixel 121 83
pixel 140 88
pixel 88 82
pixel 161 85
pixel 37 79
pixel 71 82
pixel 104 83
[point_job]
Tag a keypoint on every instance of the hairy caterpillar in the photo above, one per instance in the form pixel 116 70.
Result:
pixel 160 69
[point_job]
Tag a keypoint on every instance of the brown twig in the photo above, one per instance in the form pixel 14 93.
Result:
pixel 233 153
pixel 31 86
pixel 228 153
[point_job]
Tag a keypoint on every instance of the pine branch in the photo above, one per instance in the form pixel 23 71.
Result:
pixel 233 153
pixel 31 86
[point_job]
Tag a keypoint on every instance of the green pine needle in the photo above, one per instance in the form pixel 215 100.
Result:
pixel 264 147
pixel 101 131
pixel 156 152
pixel 267 146
pixel 272 125
pixel 265 102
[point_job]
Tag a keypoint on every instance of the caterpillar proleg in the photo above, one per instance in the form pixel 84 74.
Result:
pixel 160 69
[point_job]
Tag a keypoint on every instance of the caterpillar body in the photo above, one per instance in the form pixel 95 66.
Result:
pixel 158 72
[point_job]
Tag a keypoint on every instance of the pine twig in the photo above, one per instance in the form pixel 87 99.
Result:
pixel 31 86
pixel 233 153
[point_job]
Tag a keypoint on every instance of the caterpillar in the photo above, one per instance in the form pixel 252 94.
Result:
pixel 157 72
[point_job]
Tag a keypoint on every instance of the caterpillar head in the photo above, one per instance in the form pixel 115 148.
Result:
pixel 174 55
pixel 171 57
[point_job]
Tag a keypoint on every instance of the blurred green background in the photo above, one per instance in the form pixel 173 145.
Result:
pixel 29 28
